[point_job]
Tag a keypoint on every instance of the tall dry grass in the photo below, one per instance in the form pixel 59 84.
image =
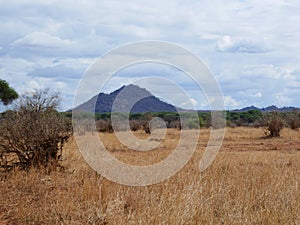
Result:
pixel 252 181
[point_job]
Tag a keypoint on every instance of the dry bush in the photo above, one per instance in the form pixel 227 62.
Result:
pixel 293 120
pixel 175 124
pixel 34 133
pixel 135 125
pixel 83 126
pixel 104 125
pixel 274 124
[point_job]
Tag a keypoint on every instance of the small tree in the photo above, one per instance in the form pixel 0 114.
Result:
pixel 274 124
pixel 35 132
pixel 7 94
pixel 293 120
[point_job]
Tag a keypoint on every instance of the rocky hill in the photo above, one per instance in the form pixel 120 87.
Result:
pixel 127 98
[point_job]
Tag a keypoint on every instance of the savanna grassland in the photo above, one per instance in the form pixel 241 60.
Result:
pixel 253 180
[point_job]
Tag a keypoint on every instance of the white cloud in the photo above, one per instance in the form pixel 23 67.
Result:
pixel 41 40
pixel 194 101
pixel 258 95
pixel 190 104
pixel 231 103
pixel 227 44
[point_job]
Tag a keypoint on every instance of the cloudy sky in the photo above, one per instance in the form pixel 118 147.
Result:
pixel 251 46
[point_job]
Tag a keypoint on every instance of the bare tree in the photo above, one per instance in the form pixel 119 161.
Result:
pixel 33 134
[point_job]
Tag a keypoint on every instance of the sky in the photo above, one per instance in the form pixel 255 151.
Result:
pixel 250 46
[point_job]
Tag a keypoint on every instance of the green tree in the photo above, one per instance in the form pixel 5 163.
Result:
pixel 7 94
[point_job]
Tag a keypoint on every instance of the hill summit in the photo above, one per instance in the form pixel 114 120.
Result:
pixel 129 98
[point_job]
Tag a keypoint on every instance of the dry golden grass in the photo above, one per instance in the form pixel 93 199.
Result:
pixel 252 181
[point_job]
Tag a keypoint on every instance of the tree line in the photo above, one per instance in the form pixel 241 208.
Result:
pixel 273 122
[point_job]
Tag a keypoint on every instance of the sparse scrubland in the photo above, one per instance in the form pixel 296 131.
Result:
pixel 253 180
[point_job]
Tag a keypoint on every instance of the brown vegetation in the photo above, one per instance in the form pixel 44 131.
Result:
pixel 34 133
pixel 252 181
pixel 274 124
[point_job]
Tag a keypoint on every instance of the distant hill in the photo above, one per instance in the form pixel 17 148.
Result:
pixel 271 108
pixel 124 98
pixel 138 100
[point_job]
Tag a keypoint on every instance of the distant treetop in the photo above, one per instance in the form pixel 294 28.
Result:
pixel 7 94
